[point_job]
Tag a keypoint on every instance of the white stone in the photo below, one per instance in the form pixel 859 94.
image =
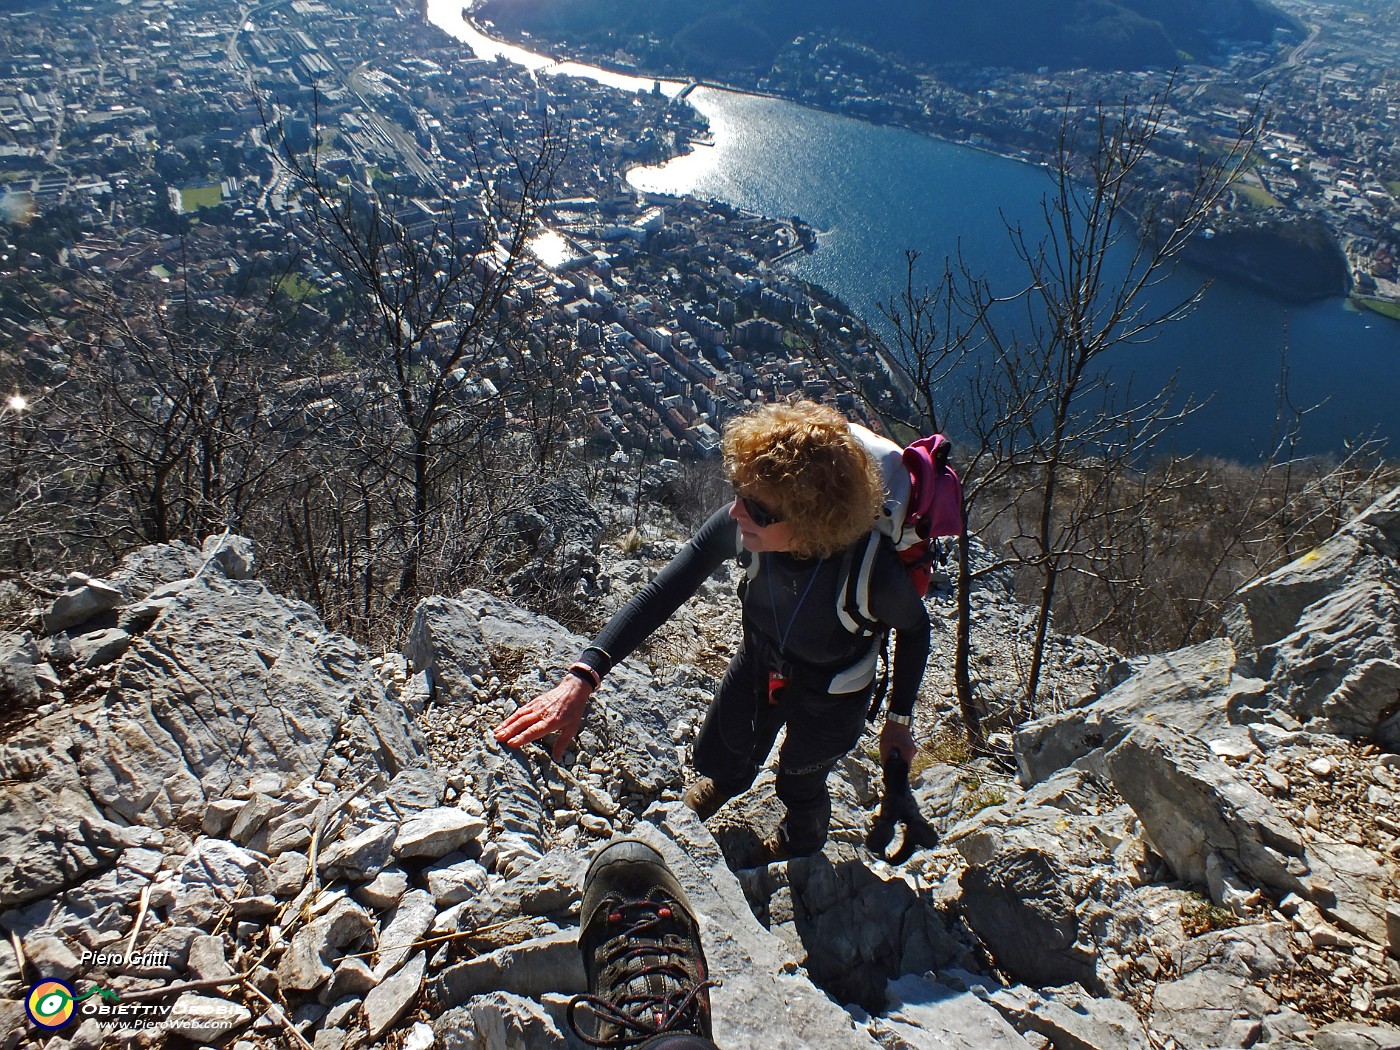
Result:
pixel 452 882
pixel 1233 747
pixel 1320 767
pixel 411 919
pixel 437 832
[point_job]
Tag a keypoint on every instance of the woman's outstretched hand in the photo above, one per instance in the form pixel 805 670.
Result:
pixel 558 711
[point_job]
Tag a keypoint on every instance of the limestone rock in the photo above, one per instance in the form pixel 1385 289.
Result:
pixel 1351 886
pixel 1019 905
pixel 411 920
pixel 500 1019
pixel 286 875
pixel 307 963
pixel 853 929
pixel 1190 689
pixel 19 683
pixel 220 815
pixel 219 866
pixel 531 969
pixel 384 891
pixel 353 978
pixel 415 789
pixel 453 640
pixel 146 569
pixel 361 856
pixel 197 708
pixel 765 1000
pixel 1252 952
pixel 1339 671
pixel 51 956
pixel 1363 546
pixel 98 648
pixel 232 554
pixel 1192 805
pixel 81 604
pixel 454 879
pixel 927 1015
pixel 1348 1035
pixel 1209 1007
pixel 255 812
pixel 13 1023
pixel 52 836
pixel 387 1003
pixel 1070 1018
pixel 436 832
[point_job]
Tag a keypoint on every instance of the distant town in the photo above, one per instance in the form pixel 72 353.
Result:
pixel 140 154
pixel 139 145
pixel 1329 154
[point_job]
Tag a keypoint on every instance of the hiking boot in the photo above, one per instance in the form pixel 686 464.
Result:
pixel 641 951
pixel 778 847
pixel 705 798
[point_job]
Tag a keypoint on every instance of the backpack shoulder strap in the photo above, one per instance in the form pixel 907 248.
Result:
pixel 894 477
pixel 853 593
pixel 746 560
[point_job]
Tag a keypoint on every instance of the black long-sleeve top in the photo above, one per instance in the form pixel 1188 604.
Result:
pixel 791 602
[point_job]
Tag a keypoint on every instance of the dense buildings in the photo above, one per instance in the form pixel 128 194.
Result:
pixel 145 148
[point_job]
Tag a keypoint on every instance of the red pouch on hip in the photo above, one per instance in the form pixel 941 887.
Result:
pixel 776 684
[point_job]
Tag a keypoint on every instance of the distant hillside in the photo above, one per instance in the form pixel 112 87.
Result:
pixel 705 38
pixel 1298 261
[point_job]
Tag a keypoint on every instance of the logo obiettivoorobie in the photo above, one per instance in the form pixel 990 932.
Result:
pixel 51 1002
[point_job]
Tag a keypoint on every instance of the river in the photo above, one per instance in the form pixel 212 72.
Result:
pixel 873 191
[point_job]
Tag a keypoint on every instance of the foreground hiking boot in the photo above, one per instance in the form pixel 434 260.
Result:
pixel 641 951
pixel 705 798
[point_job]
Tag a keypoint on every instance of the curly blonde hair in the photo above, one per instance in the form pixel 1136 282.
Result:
pixel 801 460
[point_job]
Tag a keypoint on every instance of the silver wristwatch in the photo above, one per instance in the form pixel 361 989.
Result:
pixel 904 720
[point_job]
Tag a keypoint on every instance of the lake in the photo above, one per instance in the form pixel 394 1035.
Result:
pixel 872 191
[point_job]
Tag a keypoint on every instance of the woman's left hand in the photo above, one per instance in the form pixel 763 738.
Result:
pixel 897 737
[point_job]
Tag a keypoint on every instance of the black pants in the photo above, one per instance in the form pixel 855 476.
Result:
pixel 677 1042
pixel 740 728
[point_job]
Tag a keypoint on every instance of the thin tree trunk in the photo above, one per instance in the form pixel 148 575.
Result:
pixel 962 656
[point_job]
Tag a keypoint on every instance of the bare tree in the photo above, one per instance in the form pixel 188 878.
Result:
pixel 1095 265
pixel 30 476
pixel 173 421
pixel 1046 442
pixel 456 388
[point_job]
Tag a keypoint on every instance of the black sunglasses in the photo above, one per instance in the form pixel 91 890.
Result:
pixel 761 515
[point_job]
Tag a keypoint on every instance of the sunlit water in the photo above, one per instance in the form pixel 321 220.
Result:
pixel 874 191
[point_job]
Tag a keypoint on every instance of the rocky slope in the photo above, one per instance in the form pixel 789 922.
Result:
pixel 243 829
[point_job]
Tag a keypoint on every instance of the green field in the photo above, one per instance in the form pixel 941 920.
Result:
pixel 1384 307
pixel 195 197
pixel 1394 188
pixel 296 287
pixel 1257 196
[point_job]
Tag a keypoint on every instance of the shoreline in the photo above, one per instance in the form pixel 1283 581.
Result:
pixel 1381 306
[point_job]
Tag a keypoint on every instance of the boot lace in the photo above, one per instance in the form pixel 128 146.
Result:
pixel 640 949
